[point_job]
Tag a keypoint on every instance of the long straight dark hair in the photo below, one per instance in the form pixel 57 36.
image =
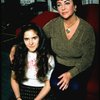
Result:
pixel 19 64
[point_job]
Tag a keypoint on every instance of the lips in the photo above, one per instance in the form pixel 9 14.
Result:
pixel 64 13
pixel 31 46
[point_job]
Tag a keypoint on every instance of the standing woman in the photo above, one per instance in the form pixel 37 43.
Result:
pixel 32 65
pixel 73 43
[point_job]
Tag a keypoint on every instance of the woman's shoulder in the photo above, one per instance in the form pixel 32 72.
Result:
pixel 53 21
pixel 86 28
pixel 85 23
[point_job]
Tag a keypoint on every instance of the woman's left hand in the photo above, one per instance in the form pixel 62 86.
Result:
pixel 64 80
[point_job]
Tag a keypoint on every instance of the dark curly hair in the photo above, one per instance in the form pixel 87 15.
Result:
pixel 19 64
pixel 54 3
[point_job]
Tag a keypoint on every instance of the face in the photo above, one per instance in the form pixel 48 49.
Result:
pixel 66 8
pixel 31 40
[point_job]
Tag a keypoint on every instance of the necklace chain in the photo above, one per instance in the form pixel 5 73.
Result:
pixel 68 28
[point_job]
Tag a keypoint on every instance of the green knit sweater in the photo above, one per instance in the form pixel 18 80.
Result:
pixel 78 51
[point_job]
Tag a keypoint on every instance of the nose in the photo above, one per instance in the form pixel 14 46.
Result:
pixel 31 41
pixel 63 7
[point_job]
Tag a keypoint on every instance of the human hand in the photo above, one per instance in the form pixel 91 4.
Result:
pixel 12 52
pixel 64 80
pixel 19 98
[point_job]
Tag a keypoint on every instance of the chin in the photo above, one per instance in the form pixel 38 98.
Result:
pixel 32 50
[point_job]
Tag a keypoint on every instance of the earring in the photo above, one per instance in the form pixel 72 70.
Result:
pixel 75 8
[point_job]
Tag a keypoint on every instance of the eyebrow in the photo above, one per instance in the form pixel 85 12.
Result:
pixel 67 0
pixel 62 0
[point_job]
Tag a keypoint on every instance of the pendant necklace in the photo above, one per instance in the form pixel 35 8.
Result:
pixel 68 28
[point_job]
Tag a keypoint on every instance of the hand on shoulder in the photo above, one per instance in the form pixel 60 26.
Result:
pixel 12 52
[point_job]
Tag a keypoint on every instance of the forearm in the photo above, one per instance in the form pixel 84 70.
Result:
pixel 88 54
pixel 15 87
pixel 45 90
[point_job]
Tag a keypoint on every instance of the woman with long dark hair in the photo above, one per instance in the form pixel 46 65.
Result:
pixel 32 65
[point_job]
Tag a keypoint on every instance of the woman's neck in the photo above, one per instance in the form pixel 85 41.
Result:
pixel 68 22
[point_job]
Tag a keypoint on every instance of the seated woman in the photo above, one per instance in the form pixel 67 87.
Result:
pixel 32 65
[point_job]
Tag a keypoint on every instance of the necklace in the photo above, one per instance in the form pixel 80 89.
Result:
pixel 68 28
